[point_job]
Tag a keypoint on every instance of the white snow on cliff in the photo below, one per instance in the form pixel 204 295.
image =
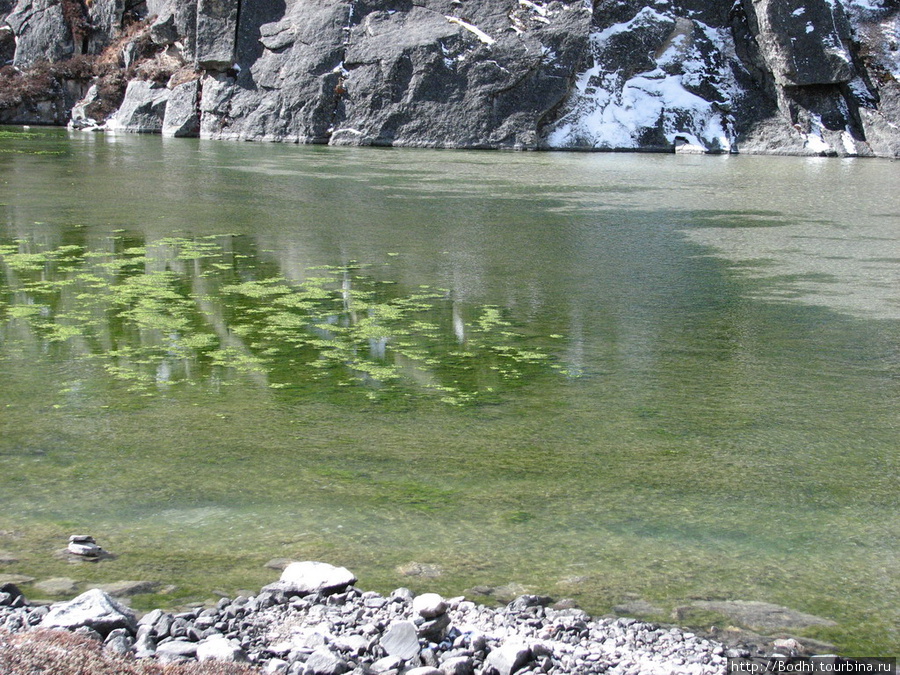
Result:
pixel 610 110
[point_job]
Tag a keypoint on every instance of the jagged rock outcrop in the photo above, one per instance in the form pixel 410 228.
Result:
pixel 759 76
pixel 41 30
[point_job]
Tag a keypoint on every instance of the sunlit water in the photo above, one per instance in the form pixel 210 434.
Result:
pixel 605 377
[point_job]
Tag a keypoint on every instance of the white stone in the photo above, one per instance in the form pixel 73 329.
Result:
pixel 316 577
pixel 84 548
pixel 429 605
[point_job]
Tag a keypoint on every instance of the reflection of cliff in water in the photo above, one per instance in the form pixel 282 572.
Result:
pixel 208 310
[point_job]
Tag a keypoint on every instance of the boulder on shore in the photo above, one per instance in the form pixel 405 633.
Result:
pixel 309 576
pixel 94 609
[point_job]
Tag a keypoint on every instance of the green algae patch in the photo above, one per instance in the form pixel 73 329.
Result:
pixel 185 311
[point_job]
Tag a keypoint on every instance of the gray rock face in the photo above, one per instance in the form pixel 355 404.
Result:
pixel 806 77
pixel 42 33
pixel 216 33
pixel 105 18
pixel 143 109
pixel 94 609
pixel 182 116
pixel 803 42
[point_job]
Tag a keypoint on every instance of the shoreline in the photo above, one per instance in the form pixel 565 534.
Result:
pixel 314 620
pixel 674 149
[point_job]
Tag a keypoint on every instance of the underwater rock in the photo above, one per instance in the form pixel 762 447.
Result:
pixel 417 569
pixel 119 589
pixel 762 616
pixel 57 586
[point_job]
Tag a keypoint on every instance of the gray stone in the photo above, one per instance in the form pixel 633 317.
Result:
pixel 429 605
pixel 275 667
pixel 458 665
pixel 151 617
pixel 507 659
pixel 423 670
pixel 7 558
pixel 57 586
pixel 176 650
pixel 11 595
pixel 401 640
pixel 434 629
pixel 84 545
pixel 119 641
pixel 144 644
pixel 163 31
pixel 143 109
pixel 402 594
pixel 93 609
pixel 316 577
pixel 182 117
pixel 385 664
pixel 80 119
pixel 762 616
pixel 325 662
pixel 219 648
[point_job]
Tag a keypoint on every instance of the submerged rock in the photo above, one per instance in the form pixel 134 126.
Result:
pixel 57 586
pixel 762 616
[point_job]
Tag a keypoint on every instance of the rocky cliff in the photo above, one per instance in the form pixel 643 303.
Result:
pixel 758 76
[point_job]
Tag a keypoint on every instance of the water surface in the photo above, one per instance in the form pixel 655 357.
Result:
pixel 605 377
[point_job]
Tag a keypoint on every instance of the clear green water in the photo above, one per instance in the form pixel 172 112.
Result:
pixel 599 376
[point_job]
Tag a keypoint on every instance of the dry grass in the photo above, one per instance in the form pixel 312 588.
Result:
pixel 53 652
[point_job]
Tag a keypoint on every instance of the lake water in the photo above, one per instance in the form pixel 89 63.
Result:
pixel 600 376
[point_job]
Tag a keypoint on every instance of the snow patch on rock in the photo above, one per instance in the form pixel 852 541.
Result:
pixel 613 109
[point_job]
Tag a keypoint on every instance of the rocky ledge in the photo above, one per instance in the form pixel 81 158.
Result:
pixel 314 621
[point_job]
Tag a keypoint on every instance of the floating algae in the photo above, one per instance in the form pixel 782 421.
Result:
pixel 184 311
